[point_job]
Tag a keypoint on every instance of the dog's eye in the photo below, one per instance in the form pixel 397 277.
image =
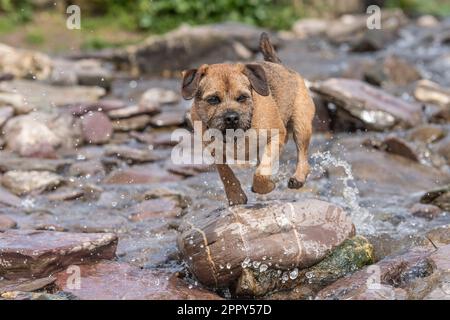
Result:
pixel 213 100
pixel 242 98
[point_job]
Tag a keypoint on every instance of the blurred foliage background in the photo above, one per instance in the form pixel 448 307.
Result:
pixel 109 23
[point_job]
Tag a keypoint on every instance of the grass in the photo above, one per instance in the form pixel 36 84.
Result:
pixel 434 7
pixel 35 38
pixel 7 24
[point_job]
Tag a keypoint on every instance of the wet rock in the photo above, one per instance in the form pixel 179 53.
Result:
pixel 5 114
pixel 121 281
pixel 90 72
pixel 443 148
pixel 169 119
pixel 132 111
pixel 441 259
pixel 96 128
pixel 8 198
pixel 39 134
pixel 352 30
pixel 87 168
pixel 19 295
pixel 132 155
pixel 427 133
pixel 189 170
pixel 350 256
pixel 392 70
pixel 427 211
pixel 158 96
pixel 141 174
pixel 132 123
pixel 155 208
pixel 430 92
pixel 16 101
pixel 187 47
pixel 287 235
pixel 54 96
pixel 24 182
pixel 439 287
pixel 91 192
pixel 381 280
pixel 26 285
pixel 400 147
pixel 66 194
pixel 105 105
pixel 439 197
pixel 403 177
pixel 6 223
pixel 310 27
pixel 24 63
pixel 156 139
pixel 28 136
pixel 371 107
pixel 440 116
pixel 28 253
pixel 63 73
pixel 439 236
pixel 427 21
pixel 182 200
pixel 11 162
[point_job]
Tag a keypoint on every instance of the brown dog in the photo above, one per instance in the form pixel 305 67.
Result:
pixel 263 95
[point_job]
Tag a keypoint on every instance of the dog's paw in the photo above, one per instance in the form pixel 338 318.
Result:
pixel 262 185
pixel 238 199
pixel 295 184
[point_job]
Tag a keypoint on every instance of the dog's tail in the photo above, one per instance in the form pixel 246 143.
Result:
pixel 267 49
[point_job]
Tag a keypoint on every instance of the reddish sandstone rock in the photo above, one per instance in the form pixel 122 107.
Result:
pixel 29 253
pixel 215 245
pixel 140 175
pixel 168 119
pixel 155 208
pixel 375 281
pixel 96 128
pixel 121 281
pixel 6 223
pixel 8 198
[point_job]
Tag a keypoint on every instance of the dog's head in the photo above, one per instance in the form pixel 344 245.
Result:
pixel 224 93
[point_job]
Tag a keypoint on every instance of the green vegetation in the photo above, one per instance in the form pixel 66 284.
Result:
pixel 113 23
pixel 35 37
pixel 17 11
pixel 435 7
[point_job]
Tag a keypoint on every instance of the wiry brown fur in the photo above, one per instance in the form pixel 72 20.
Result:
pixel 277 99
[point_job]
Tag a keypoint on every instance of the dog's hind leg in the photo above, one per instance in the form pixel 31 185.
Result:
pixel 302 116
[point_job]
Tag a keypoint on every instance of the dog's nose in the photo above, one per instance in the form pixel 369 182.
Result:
pixel 231 118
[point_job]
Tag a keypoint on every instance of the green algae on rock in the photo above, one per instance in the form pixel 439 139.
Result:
pixel 351 255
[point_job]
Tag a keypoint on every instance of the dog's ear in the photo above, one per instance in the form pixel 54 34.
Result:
pixel 190 83
pixel 255 73
pixel 191 79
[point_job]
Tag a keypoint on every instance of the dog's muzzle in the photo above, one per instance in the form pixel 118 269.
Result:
pixel 231 120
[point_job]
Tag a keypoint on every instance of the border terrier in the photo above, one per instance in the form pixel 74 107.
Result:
pixel 260 95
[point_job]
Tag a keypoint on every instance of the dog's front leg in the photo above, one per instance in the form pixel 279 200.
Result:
pixel 262 180
pixel 233 189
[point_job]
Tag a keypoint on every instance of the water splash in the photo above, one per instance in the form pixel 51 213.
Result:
pixel 361 217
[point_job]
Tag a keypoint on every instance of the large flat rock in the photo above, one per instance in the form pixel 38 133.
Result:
pixel 29 253
pixel 371 106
